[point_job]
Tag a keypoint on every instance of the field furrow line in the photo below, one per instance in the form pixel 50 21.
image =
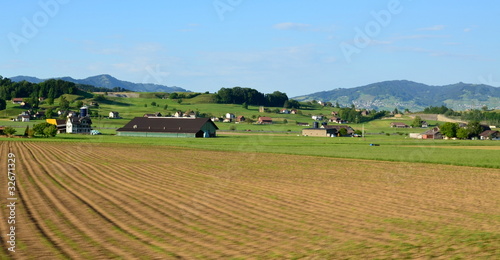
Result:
pixel 129 216
pixel 147 199
pixel 72 215
pixel 28 198
pixel 279 220
pixel 88 199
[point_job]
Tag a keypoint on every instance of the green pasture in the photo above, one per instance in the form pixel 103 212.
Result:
pixel 392 148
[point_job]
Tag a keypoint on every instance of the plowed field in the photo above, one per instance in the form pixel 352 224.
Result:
pixel 104 201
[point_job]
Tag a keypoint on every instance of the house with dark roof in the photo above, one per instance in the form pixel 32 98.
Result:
pixel 114 114
pixel 433 133
pixel 323 132
pixel 490 135
pixel 399 125
pixel 78 125
pixel 169 127
pixel 154 114
pixel 59 123
pixel 264 120
pixel 337 128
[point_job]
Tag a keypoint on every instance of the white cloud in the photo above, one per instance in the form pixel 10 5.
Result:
pixel 432 28
pixel 292 26
pixel 467 29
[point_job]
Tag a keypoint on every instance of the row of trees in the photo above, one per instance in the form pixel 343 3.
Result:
pixel 52 88
pixel 238 95
pixel 352 115
pixel 451 130
pixel 43 129
pixel 492 118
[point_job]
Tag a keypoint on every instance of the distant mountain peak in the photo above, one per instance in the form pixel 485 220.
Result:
pixel 108 81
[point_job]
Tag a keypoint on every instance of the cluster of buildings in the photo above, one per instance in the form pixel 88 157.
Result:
pixel 326 130
pixel 75 123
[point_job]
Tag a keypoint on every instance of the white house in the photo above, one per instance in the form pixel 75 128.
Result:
pixel 317 117
pixel 114 114
pixel 230 116
pixel 78 125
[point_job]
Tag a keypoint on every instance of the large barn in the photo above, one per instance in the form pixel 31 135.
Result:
pixel 169 127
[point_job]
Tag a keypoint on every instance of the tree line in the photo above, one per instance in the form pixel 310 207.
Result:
pixel 248 96
pixel 50 89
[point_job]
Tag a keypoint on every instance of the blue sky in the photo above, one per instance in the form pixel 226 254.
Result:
pixel 298 47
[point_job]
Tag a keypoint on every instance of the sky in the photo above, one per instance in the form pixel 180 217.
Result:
pixel 297 47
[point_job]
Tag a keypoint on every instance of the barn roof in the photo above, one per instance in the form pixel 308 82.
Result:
pixel 166 125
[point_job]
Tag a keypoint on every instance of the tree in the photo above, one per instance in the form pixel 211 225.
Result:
pixel 50 131
pixel 10 131
pixel 39 128
pixel 244 105
pixel 145 105
pixel 49 113
pixel 63 103
pixel 462 133
pixel 343 131
pixel 79 104
pixel 173 95
pixel 179 101
pixel 449 129
pixel 165 107
pixel 3 104
pixel 50 101
pixel 474 128
pixel 285 121
pixel 27 130
pixel 153 103
pixel 417 122
pixel 485 108
pixel 337 105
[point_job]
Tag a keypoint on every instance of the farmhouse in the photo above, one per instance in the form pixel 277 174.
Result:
pixel 337 128
pixel 59 123
pixel 78 125
pixel 23 118
pixel 154 114
pixel 169 127
pixel 240 119
pixel 178 114
pixel 114 114
pixel 399 125
pixel 322 132
pixel 17 101
pixel 264 120
pixel 432 134
pixel 285 111
pixel 230 116
pixel 490 135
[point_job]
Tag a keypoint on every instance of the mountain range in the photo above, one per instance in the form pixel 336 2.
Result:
pixel 107 81
pixel 402 94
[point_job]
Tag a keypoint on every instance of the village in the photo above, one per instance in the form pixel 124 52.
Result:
pixel 190 124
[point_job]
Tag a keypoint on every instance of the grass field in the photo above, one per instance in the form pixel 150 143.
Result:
pixel 103 200
pixel 392 148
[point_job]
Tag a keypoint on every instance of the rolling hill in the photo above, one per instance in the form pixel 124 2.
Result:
pixel 107 81
pixel 412 95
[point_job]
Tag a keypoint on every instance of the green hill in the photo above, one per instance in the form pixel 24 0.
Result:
pixel 415 96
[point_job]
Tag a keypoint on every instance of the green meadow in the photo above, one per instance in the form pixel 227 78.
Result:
pixel 283 136
pixel 391 148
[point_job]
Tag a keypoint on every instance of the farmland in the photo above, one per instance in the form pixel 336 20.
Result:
pixel 106 199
